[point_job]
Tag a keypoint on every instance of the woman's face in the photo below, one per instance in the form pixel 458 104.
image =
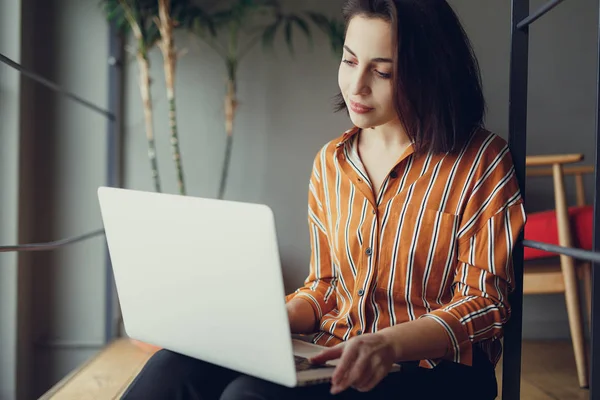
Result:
pixel 365 74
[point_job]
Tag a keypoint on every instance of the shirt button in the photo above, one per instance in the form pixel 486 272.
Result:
pixel 361 292
pixel 374 211
pixel 393 175
pixel 360 179
pixel 359 332
pixel 369 251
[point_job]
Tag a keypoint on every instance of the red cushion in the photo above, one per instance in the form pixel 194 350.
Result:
pixel 542 227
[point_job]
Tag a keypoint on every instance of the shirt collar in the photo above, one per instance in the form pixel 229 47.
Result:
pixel 347 136
pixel 350 133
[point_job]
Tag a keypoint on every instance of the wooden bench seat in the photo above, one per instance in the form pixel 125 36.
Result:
pixel 548 373
pixel 104 376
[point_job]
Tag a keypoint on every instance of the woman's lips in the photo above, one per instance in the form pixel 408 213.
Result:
pixel 359 108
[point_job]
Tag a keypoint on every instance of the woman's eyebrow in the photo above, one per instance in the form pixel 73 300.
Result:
pixel 377 59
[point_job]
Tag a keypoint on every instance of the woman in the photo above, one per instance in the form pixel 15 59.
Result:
pixel 413 214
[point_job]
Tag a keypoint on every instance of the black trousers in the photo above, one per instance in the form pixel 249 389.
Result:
pixel 169 375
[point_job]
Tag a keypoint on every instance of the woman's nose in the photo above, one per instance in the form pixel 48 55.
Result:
pixel 360 84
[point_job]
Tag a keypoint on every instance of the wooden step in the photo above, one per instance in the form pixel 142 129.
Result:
pixel 104 376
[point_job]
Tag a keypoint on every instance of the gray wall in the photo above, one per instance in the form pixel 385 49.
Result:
pixel 562 73
pixel 284 118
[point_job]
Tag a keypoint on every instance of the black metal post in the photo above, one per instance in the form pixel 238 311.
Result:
pixel 538 13
pixel 53 86
pixel 115 87
pixel 595 334
pixel 569 251
pixel 517 124
pixel 53 245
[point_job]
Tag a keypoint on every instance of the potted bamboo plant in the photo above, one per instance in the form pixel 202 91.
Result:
pixel 137 18
pixel 166 21
pixel 237 29
pixel 151 22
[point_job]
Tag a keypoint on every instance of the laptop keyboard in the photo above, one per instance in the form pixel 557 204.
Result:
pixel 302 364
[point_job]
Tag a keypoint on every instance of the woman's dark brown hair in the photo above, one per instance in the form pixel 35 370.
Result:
pixel 439 97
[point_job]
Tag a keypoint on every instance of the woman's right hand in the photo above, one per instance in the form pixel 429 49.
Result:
pixel 301 316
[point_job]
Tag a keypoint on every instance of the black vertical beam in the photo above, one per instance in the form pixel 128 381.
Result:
pixel 517 124
pixel 595 322
pixel 113 151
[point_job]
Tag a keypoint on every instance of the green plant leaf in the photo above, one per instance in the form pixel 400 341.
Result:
pixel 199 21
pixel 288 35
pixel 337 35
pixel 222 18
pixel 333 28
pixel 268 37
pixel 320 20
pixel 152 35
pixel 114 13
pixel 304 27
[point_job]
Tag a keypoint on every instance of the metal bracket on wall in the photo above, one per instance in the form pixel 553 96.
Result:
pixel 55 87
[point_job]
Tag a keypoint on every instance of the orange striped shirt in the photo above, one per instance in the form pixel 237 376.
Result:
pixel 435 242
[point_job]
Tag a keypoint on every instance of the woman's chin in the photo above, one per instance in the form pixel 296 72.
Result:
pixel 363 121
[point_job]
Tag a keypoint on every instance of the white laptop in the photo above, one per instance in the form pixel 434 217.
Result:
pixel 203 278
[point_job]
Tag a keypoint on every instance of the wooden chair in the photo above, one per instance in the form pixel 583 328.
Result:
pixel 565 226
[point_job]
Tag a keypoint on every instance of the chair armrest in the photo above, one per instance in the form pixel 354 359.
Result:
pixel 571 170
pixel 552 159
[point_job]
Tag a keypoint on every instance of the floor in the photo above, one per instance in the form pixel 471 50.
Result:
pixel 548 373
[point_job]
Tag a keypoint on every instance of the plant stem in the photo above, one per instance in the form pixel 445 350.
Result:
pixel 230 109
pixel 144 68
pixel 175 142
pixel 165 25
pixel 230 102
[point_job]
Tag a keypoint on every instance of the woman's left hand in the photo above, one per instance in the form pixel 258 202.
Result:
pixel 364 361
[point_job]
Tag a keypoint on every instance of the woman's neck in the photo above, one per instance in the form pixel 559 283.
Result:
pixel 389 136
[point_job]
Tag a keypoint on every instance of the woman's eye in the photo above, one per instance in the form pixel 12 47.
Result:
pixel 384 75
pixel 348 62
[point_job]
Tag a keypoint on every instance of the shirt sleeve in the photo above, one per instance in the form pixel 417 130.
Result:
pixel 318 289
pixel 484 276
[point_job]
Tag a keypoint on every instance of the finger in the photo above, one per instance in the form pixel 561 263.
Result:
pixel 377 379
pixel 370 370
pixel 329 354
pixel 361 369
pixel 346 363
pixel 350 370
pixel 369 384
pixel 363 383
